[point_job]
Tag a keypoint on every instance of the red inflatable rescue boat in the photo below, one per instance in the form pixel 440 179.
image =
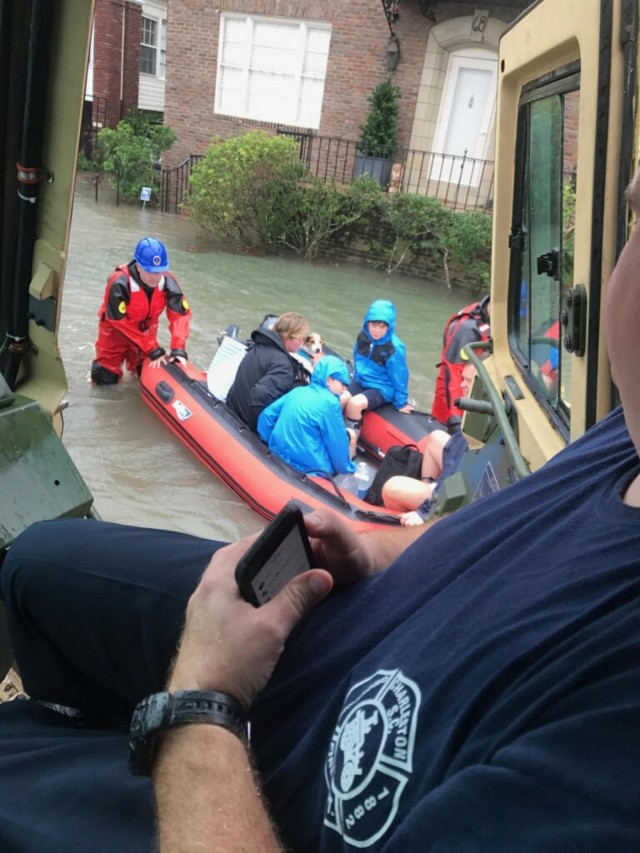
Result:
pixel 180 397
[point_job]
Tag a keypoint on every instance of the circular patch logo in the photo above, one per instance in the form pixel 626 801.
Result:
pixel 157 260
pixel 122 307
pixel 370 758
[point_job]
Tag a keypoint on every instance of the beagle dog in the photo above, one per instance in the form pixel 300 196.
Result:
pixel 312 348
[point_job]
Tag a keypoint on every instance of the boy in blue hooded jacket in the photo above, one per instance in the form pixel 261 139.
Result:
pixel 381 373
pixel 305 427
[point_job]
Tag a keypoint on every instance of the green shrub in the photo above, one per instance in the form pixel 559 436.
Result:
pixel 418 224
pixel 322 211
pixel 468 246
pixel 131 151
pixel 422 227
pixel 243 190
pixel 85 164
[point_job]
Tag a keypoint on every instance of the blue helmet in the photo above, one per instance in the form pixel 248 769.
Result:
pixel 151 255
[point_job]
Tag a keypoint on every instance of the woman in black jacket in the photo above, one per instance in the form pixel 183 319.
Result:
pixel 268 371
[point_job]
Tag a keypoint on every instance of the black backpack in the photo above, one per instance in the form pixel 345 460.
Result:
pixel 401 459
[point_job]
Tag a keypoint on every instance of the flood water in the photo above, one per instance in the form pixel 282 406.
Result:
pixel 137 471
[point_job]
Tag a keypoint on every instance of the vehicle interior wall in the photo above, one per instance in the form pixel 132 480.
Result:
pixel 554 217
pixel 42 81
pixel 43 61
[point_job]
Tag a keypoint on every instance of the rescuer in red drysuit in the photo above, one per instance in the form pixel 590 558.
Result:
pixel 136 295
pixel 466 326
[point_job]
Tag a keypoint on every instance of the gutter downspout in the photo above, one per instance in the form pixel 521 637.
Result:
pixel 122 42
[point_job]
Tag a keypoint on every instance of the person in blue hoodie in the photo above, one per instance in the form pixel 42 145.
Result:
pixel 306 428
pixel 381 373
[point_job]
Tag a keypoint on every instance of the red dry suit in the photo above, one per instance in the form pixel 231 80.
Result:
pixel 469 324
pixel 549 368
pixel 129 317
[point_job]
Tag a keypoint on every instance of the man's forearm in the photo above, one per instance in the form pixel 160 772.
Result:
pixel 207 798
pixel 386 546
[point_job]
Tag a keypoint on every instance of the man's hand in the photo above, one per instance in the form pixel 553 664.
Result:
pixel 351 556
pixel 157 357
pixel 411 519
pixel 338 548
pixel 158 362
pixel 230 646
pixel 407 409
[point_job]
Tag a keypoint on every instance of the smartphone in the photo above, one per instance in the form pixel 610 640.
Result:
pixel 280 552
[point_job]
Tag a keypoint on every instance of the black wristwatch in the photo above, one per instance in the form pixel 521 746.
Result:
pixel 167 710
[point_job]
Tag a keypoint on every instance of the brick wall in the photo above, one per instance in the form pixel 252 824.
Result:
pixel 115 76
pixel 357 62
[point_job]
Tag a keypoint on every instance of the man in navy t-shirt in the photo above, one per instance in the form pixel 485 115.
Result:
pixel 476 687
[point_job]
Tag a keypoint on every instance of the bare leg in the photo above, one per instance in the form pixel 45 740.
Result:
pixel 405 493
pixel 356 406
pixel 433 450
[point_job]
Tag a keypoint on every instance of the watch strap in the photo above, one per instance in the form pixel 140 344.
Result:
pixel 162 711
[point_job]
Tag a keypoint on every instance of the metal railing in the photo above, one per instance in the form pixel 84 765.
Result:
pixel 329 158
pixel 457 181
pixel 94 118
pixel 460 182
pixel 174 184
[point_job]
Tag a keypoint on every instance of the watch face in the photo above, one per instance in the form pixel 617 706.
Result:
pixel 147 719
pixel 149 714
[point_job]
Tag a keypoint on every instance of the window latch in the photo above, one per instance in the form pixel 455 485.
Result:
pixel 573 319
pixel 548 264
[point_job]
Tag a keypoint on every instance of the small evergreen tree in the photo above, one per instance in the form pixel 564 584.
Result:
pixel 379 134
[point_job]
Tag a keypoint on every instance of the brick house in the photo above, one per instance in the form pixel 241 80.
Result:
pixel 126 62
pixel 309 66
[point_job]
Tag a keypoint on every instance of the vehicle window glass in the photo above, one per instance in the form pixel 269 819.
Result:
pixel 542 253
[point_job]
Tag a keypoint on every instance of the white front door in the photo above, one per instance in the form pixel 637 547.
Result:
pixel 466 113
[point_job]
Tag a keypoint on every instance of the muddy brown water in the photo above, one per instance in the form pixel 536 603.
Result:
pixel 137 471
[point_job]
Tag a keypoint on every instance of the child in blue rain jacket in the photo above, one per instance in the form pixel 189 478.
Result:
pixel 381 373
pixel 306 428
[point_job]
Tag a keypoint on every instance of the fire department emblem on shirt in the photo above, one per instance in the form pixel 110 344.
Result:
pixel 370 757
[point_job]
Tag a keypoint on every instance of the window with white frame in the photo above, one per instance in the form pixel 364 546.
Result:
pixel 271 69
pixel 153 44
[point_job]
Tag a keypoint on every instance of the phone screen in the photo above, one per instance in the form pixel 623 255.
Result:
pixel 281 552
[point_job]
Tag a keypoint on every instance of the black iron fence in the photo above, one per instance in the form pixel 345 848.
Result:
pixel 458 181
pixel 174 183
pixel 94 118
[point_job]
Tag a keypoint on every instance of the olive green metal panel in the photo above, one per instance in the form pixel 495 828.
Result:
pixel 481 473
pixel 38 479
